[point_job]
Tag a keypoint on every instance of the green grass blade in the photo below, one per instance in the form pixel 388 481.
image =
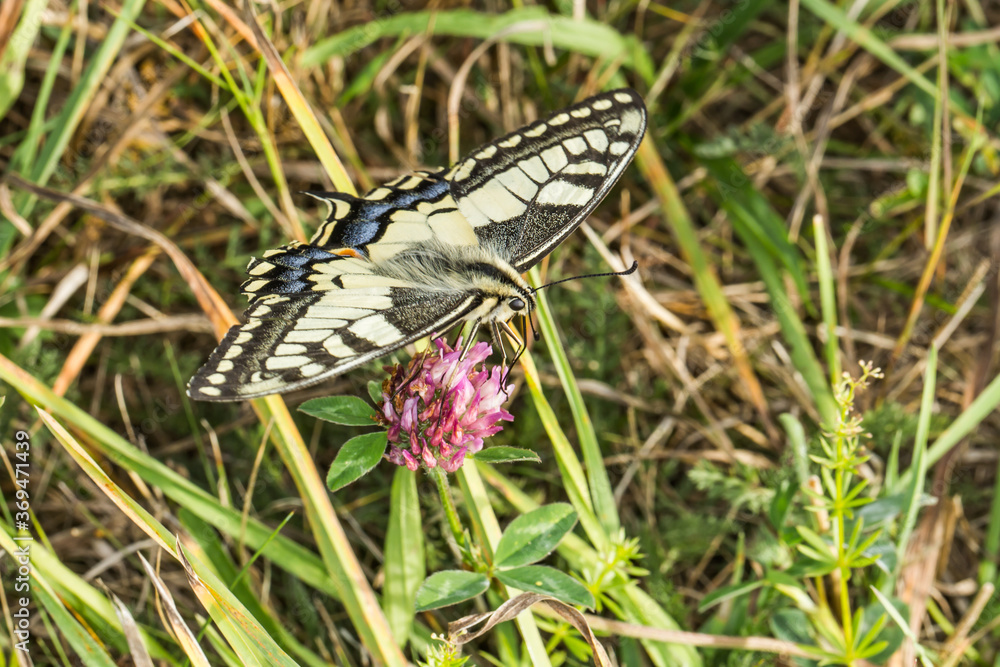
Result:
pixel 15 55
pixel 83 598
pixel 893 613
pixel 588 37
pixel 639 607
pixel 248 98
pixel 79 639
pixel 404 554
pixel 799 444
pixel 241 629
pixel 964 424
pixel 918 467
pixel 991 542
pixel 27 151
pixel 582 557
pixel 244 633
pixel 284 552
pixel 574 479
pixel 827 300
pixel 601 494
pixel 793 330
pixel 867 40
pixel 752 215
pixel 179 55
pixel 705 280
pixel 301 109
pixel 212 551
pixel 335 549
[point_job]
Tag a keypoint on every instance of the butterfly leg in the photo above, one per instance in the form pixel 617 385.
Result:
pixel 470 340
pixel 497 341
pixel 411 373
pixel 518 339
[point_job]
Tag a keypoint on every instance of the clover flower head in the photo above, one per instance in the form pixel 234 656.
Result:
pixel 440 407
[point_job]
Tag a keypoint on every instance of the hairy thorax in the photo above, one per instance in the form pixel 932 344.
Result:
pixel 470 269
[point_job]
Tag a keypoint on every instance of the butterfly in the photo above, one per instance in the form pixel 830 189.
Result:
pixel 422 253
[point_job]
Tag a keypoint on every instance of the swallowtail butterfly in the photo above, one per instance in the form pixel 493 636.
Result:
pixel 425 252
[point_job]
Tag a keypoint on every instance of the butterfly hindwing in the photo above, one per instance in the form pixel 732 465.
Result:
pixel 314 314
pixel 526 192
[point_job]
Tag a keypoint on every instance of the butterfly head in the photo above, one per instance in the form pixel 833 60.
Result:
pixel 504 293
pixel 519 305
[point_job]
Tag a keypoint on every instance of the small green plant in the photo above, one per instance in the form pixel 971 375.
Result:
pixel 616 568
pixel 528 539
pixel 839 545
pixel 442 653
pixel 832 553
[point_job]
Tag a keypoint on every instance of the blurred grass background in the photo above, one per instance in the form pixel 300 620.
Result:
pixel 705 379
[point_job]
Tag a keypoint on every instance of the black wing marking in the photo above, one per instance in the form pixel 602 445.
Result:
pixel 412 209
pixel 526 192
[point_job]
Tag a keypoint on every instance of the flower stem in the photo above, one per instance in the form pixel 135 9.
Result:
pixel 450 511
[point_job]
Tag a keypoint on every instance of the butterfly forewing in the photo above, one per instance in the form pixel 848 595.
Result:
pixel 313 315
pixel 526 192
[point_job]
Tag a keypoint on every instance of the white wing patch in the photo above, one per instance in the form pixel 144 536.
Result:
pixel 575 145
pixel 559 192
pixel 334 344
pixel 452 225
pixel 595 168
pixel 376 327
pixel 597 139
pixel 279 362
pixel 313 324
pixel 535 168
pixel 536 131
pixel 632 121
pixel 517 181
pixel 313 334
pixel 407 233
pixel 309 370
pixel 287 349
pixel 555 158
pixel 500 203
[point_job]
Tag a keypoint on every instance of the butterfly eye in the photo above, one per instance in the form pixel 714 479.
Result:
pixel 516 304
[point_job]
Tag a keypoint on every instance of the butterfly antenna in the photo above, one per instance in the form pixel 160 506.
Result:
pixel 627 272
pixel 529 320
pixel 534 332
